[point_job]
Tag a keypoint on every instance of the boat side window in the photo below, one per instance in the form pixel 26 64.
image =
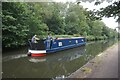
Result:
pixel 76 41
pixel 60 44
pixel 70 42
pixel 82 40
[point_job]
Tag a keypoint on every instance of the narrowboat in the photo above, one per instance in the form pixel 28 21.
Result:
pixel 43 46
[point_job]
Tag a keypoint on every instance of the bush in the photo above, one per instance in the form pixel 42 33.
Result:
pixel 76 35
pixel 90 38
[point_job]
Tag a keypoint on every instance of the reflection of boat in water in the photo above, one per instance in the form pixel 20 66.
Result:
pixel 36 60
pixel 44 46
pixel 67 55
pixel 60 64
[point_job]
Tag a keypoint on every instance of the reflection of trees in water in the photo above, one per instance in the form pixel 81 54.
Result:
pixel 93 49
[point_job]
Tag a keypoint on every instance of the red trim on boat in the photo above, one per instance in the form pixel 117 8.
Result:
pixel 36 55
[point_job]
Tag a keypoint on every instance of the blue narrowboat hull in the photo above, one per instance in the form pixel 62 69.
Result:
pixel 65 47
pixel 55 45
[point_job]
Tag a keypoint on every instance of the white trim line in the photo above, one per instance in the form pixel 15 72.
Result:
pixel 37 51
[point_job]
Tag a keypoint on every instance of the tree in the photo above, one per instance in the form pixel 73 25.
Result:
pixel 14 28
pixel 20 22
pixel 97 28
pixel 53 18
pixel 76 20
pixel 112 10
pixel 35 21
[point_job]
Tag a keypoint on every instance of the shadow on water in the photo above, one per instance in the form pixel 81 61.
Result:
pixel 60 64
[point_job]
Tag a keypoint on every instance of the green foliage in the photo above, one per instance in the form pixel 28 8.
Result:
pixel 14 27
pixel 75 20
pixel 90 38
pixel 22 20
pixel 112 10
pixel 97 28
pixel 53 18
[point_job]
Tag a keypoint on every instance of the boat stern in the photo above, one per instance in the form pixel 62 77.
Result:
pixel 36 53
pixel 37 49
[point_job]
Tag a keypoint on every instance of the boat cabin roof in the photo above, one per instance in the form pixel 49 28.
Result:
pixel 69 38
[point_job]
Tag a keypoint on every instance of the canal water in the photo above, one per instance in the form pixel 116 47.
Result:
pixel 16 64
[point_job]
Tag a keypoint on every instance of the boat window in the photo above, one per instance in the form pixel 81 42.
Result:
pixel 60 44
pixel 82 40
pixel 76 41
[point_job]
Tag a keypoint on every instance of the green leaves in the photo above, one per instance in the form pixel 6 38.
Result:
pixel 14 29
pixel 112 10
pixel 22 20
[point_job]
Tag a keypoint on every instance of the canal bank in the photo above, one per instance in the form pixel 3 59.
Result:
pixel 104 65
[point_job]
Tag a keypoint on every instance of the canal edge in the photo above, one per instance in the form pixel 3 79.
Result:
pixel 91 65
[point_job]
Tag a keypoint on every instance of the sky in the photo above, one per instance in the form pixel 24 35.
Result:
pixel 110 22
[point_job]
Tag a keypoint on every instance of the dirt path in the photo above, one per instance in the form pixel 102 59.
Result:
pixel 104 65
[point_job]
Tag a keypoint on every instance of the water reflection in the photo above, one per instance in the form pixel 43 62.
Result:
pixel 68 55
pixel 55 65
pixel 37 60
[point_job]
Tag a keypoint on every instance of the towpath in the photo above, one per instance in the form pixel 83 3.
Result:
pixel 104 65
